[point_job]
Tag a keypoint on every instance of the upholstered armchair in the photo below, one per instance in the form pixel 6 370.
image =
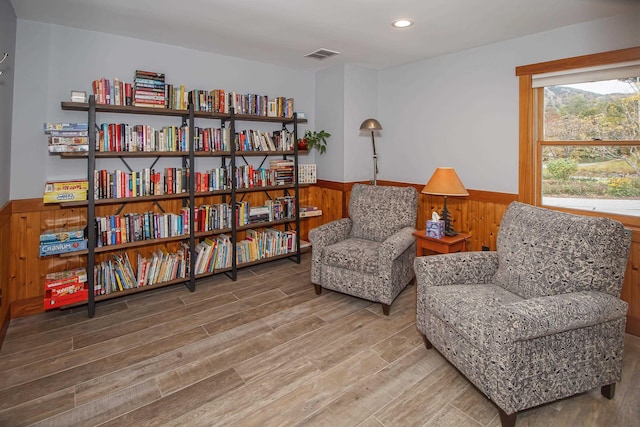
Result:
pixel 370 254
pixel 537 320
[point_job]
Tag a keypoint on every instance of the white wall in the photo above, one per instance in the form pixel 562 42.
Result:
pixel 52 60
pixel 361 103
pixel 7 45
pixel 330 106
pixel 461 109
pixel 346 95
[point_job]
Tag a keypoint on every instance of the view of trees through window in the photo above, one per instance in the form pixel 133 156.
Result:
pixel 591 146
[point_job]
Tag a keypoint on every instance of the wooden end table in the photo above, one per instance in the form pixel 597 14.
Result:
pixel 444 245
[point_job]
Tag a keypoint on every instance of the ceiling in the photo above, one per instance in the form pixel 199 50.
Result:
pixel 283 31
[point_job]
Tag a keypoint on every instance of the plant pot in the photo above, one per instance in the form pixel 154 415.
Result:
pixel 302 144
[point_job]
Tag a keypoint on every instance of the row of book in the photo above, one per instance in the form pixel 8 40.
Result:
pixel 117 92
pixel 256 140
pixel 149 182
pixel 261 244
pixel 117 274
pixel 67 137
pixel 122 137
pixel 149 89
pixel 134 227
pixel 216 253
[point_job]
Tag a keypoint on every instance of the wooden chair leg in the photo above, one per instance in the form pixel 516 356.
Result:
pixel 385 309
pixel 507 420
pixel 318 289
pixel 608 391
pixel 427 343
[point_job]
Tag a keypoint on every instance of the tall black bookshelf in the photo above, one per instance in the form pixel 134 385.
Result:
pixel 190 198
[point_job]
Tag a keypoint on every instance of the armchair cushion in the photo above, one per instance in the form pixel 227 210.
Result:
pixel 353 254
pixel 379 211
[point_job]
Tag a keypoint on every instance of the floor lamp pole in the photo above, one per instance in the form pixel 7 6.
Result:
pixel 375 160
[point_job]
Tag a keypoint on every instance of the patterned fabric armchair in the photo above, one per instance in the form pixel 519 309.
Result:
pixel 370 254
pixel 538 320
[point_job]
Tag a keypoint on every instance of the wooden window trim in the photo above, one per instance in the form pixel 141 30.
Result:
pixel 529 155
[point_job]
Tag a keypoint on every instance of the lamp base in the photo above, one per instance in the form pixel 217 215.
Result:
pixel 448 229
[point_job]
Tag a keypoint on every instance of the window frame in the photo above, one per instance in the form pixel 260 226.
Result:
pixel 530 119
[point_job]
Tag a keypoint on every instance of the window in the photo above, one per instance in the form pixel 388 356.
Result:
pixel 580 134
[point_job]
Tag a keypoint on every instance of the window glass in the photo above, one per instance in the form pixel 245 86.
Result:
pixel 590 149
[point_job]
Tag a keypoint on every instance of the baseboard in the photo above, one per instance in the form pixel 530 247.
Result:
pixel 633 326
pixel 26 307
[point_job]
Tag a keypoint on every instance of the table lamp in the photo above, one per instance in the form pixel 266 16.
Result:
pixel 372 125
pixel 445 182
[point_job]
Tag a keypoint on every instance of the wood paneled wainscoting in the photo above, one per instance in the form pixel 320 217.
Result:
pixel 21 222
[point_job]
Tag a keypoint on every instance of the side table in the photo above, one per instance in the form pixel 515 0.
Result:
pixel 444 245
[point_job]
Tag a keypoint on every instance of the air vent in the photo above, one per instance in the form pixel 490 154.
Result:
pixel 322 54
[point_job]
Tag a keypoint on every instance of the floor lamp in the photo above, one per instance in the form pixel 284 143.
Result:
pixel 372 125
pixel 445 182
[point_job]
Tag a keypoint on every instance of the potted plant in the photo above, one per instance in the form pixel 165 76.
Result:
pixel 313 139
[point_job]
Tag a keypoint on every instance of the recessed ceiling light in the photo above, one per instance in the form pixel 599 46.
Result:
pixel 402 23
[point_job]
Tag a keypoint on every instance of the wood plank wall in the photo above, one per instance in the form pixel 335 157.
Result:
pixel 479 214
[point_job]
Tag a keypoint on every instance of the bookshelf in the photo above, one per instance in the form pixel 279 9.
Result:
pixel 233 195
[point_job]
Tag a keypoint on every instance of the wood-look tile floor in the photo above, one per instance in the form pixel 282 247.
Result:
pixel 261 351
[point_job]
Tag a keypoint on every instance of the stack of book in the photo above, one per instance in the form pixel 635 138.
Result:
pixel 309 211
pixel 148 89
pixel 67 137
pixel 65 287
pixel 282 171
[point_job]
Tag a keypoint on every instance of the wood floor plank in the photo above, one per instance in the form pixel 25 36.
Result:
pixel 303 347
pixel 419 405
pixel 239 403
pixel 108 406
pixel 399 344
pixel 180 402
pixel 44 385
pixel 70 326
pixel 29 412
pixel 258 311
pixel 300 403
pixel 144 317
pixel 22 358
pixel 476 405
pixel 233 355
pixel 170 360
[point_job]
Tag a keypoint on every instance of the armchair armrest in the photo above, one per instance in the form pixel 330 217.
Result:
pixel 325 235
pixel 330 233
pixel 455 269
pixel 395 245
pixel 537 317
